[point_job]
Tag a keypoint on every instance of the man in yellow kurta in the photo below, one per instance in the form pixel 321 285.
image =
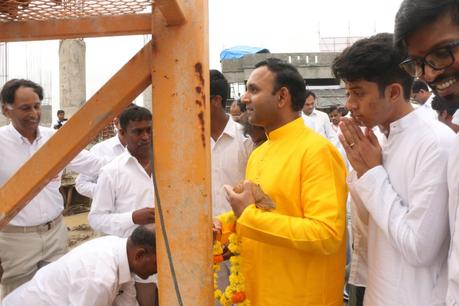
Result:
pixel 295 254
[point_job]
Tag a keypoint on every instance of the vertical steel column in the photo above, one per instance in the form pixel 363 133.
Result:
pixel 181 134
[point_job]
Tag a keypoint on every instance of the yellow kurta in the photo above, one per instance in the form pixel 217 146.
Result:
pixel 295 255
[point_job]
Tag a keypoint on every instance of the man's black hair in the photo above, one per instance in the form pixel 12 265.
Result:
pixel 343 110
pixel 60 112
pixel 419 85
pixel 375 60
pixel 134 113
pixel 144 236
pixel 414 14
pixel 219 86
pixel 286 75
pixel 10 87
pixel 441 105
pixel 333 108
pixel 310 93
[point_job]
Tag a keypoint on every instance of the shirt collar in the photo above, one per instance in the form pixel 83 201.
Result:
pixel 402 123
pixel 116 141
pixel 126 156
pixel 124 273
pixel 18 136
pixel 230 128
pixel 287 129
pixel 429 100
pixel 315 112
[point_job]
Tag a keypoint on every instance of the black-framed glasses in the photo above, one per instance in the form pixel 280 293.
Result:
pixel 438 59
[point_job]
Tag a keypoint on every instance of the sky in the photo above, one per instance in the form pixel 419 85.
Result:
pixel 280 26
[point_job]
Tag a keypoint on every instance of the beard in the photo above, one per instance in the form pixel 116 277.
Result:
pixel 451 101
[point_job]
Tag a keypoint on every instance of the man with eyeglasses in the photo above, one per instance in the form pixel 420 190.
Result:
pixel 37 235
pixel 429 32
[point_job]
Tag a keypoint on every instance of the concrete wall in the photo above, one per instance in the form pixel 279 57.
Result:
pixel 310 65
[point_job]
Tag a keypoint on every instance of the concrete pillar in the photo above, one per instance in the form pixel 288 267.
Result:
pixel 72 75
pixel 147 98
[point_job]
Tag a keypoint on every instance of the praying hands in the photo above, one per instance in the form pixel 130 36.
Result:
pixel 362 149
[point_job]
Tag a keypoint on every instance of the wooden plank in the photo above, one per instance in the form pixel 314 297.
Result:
pixel 76 28
pixel 181 141
pixel 172 11
pixel 82 127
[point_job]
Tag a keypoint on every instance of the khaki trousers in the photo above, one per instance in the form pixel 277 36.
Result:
pixel 22 254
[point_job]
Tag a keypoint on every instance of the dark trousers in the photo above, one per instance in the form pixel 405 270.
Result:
pixel 356 295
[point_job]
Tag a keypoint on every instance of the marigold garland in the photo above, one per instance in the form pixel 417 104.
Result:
pixel 234 294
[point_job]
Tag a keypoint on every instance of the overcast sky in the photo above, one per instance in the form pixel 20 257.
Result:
pixel 280 26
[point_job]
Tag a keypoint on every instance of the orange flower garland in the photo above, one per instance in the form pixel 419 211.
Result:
pixel 234 294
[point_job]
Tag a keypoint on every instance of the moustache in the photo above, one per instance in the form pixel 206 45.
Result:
pixel 453 99
pixel 443 77
pixel 143 143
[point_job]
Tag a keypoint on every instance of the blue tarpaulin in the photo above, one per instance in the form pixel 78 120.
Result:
pixel 240 51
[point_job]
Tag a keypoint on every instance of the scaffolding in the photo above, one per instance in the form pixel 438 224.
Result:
pixel 175 63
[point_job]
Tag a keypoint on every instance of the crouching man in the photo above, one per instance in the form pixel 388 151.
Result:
pixel 97 273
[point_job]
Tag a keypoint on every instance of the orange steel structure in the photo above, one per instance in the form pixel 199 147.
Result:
pixel 175 63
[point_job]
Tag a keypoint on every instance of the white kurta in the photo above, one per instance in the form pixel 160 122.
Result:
pixel 453 264
pixel 402 206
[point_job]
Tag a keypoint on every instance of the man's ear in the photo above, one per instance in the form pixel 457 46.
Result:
pixel 284 97
pixel 5 110
pixel 394 91
pixel 216 100
pixel 140 253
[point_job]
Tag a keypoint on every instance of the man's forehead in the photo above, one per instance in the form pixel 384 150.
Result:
pixel 260 74
pixel 26 93
pixel 133 124
pixel 431 35
pixel 353 85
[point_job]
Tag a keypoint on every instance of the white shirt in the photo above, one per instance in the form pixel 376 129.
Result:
pixel 335 128
pixel 15 150
pixel 401 207
pixel 229 155
pixel 453 264
pixel 308 121
pixel 108 150
pixel 428 106
pixel 92 274
pixel 322 123
pixel 323 126
pixel 123 187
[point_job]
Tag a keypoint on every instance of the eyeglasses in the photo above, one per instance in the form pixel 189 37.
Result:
pixel 438 59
